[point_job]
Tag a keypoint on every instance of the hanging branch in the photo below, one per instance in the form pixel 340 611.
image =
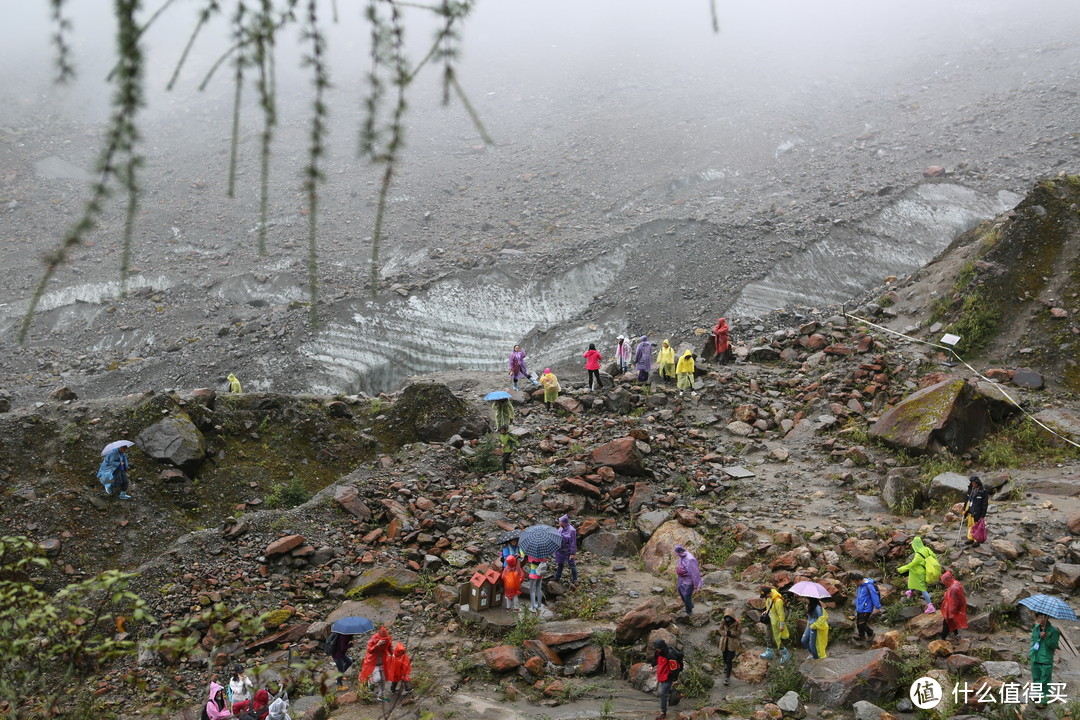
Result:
pixel 264 60
pixel 312 173
pixel 715 17
pixel 65 66
pixel 238 86
pixel 205 14
pixel 131 99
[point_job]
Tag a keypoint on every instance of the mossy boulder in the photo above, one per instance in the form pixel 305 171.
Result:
pixel 277 617
pixel 383 581
pixel 945 415
pixel 427 412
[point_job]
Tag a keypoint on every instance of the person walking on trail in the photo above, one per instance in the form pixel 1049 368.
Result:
pixel 867 604
pixel 1044 641
pixel 774 615
pixel 953 607
pixel 502 412
pixel 689 577
pixel 340 655
pixel 373 669
pixel 567 554
pixel 721 346
pixel 975 507
pixel 113 472
pixel 730 642
pixel 814 610
pixel 592 366
pixel 916 573
pixel 685 371
pixel 399 670
pixel 517 368
pixel 537 569
pixel 643 358
pixel 507 443
pixel 667 669
pixel 665 362
pixel 512 577
pixel 551 387
pixel 622 354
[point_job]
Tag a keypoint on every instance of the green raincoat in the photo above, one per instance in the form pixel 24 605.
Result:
pixel 916 569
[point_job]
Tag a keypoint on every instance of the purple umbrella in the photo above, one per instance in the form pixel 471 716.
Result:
pixel 805 588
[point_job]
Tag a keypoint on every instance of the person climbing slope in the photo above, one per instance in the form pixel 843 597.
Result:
pixel 776 618
pixel 592 366
pixel 685 371
pixel 916 572
pixel 665 362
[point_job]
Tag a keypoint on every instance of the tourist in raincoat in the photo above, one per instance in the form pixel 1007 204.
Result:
pixel 685 371
pixel 512 577
pixel 259 706
pixel 217 706
pixel 551 387
pixel 511 548
pixel 592 366
pixel 622 354
pixel 113 472
pixel 689 577
pixel 867 604
pixel 953 606
pixel 240 689
pixel 1044 641
pixel 916 573
pixel 517 367
pixel 774 614
pixel 399 669
pixel 507 444
pixel 815 637
pixel 373 669
pixel 567 554
pixel 720 340
pixel 279 709
pixel 234 384
pixel 975 507
pixel 665 361
pixel 537 568
pixel 643 358
pixel 730 641
pixel 502 412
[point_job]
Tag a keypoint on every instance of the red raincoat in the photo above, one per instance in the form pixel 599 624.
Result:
pixel 398 665
pixel 512 577
pixel 720 336
pixel 954 604
pixel 378 647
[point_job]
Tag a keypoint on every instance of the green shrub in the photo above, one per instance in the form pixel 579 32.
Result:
pixel 696 681
pixel 783 678
pixel 526 628
pixel 486 458
pixel 287 496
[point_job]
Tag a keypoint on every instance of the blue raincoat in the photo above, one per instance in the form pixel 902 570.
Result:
pixel 112 462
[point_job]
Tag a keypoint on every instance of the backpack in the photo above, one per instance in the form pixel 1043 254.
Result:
pixel 330 644
pixel 676 656
pixel 932 568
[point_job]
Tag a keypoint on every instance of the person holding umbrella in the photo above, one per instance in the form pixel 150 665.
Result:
pixel 509 542
pixel 340 639
pixel 815 637
pixel 689 577
pixel 1045 639
pixel 502 408
pixel 114 468
pixel 538 542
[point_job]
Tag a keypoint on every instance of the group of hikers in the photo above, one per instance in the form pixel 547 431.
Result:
pixel 517 564
pixel 238 700
pixel 384 661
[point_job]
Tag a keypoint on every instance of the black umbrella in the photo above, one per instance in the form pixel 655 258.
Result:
pixel 540 541
pixel 509 535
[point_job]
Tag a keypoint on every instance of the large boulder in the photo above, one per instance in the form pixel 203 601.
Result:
pixel 502 658
pixel 174 440
pixel 621 455
pixel 949 488
pixel 380 580
pixel 840 681
pixel 647 616
pixel 924 625
pixel 621 543
pixel 659 552
pixel 947 414
pixel 427 412
pixel 901 488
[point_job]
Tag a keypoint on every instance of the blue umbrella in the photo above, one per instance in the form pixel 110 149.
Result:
pixel 353 626
pixel 1049 605
pixel 497 395
pixel 540 541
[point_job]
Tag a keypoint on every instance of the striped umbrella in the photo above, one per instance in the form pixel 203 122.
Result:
pixel 1049 605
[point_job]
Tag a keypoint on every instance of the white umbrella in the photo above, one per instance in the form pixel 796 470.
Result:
pixel 113 445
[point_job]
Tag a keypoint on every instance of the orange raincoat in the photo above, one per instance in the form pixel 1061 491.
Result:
pixel 512 577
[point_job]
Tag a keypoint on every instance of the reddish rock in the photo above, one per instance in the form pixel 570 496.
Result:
pixel 686 517
pixel 813 342
pixel 841 681
pixel 581 487
pixel 746 413
pixel 541 650
pixel 751 668
pixel 423 503
pixel 959 664
pixel 787 561
pixel 932 171
pixel 891 640
pixel 621 455
pixel 643 495
pixel 1074 523
pixel 588 527
pixel 535 666
pixel 283 545
pixel 924 625
pixel 502 658
pixel 555 688
pixel 1066 576
pixel 569 404
pixel 586 661
pixel 554 639
pixel 348 498
pixel 838 350
pixel 612 664
pixel 940 648
pixel 647 616
pixel 861 549
pixel 999 374
pixel 865 344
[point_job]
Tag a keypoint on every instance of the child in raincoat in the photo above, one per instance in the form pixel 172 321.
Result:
pixel 113 472
pixel 953 606
pixel 622 354
pixel 217 706
pixel 507 443
pixel 537 568
pixel 665 361
pixel 777 619
pixel 816 636
pixel 502 412
pixel 512 577
pixel 399 669
pixel 685 371
pixel 551 387
pixel 916 573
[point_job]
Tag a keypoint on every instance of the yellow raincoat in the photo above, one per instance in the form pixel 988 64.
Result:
pixel 774 606
pixel 685 371
pixel 234 384
pixel 551 387
pixel 666 360
pixel 821 626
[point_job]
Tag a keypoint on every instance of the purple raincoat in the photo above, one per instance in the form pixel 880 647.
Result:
pixel 569 540
pixel 687 569
pixel 516 365
pixel 643 355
